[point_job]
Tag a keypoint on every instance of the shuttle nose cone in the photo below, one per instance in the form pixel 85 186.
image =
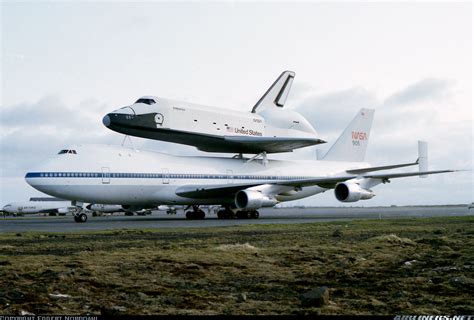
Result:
pixel 106 121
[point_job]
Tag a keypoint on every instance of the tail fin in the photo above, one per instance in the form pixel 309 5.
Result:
pixel 276 95
pixel 352 143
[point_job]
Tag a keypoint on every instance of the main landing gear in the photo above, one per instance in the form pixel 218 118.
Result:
pixel 228 213
pixel 195 214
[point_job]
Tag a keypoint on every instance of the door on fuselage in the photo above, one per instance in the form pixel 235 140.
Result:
pixel 105 175
pixel 166 175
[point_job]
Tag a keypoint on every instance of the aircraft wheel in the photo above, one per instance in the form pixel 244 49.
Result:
pixel 201 214
pixel 190 215
pixel 242 214
pixel 81 218
pixel 254 214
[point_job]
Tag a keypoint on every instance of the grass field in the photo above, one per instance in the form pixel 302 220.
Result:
pixel 406 266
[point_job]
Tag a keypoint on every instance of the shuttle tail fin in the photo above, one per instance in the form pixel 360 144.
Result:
pixel 352 144
pixel 276 95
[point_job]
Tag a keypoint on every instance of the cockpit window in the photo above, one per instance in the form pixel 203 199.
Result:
pixel 67 151
pixel 146 101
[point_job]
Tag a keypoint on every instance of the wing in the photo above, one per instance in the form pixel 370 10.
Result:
pixel 219 190
pixel 228 190
pixel 270 144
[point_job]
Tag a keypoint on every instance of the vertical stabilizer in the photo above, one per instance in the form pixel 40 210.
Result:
pixel 352 144
pixel 276 95
pixel 423 157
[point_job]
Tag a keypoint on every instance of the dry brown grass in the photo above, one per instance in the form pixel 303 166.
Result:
pixel 408 266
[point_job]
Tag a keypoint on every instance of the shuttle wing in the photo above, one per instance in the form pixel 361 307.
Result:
pixel 271 144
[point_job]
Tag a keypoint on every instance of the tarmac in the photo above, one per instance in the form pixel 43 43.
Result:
pixel 159 219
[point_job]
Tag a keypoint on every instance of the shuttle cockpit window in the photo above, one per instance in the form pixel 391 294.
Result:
pixel 67 151
pixel 146 101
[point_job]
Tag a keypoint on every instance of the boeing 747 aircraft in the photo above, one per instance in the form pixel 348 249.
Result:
pixel 143 179
pixel 267 128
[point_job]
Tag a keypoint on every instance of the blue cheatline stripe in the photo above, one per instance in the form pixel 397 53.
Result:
pixel 125 175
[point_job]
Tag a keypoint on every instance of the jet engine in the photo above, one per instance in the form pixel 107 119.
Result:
pixel 63 211
pixel 132 208
pixel 251 199
pixel 352 192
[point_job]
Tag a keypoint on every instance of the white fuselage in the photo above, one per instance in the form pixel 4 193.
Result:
pixel 186 116
pixel 118 175
pixel 30 207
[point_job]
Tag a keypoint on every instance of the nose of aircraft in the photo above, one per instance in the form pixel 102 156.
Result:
pixel 106 120
pixel 118 116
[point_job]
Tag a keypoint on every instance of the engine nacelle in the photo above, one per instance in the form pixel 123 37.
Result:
pixel 251 199
pixel 352 192
pixel 131 208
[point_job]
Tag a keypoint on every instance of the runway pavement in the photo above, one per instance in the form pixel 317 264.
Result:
pixel 267 216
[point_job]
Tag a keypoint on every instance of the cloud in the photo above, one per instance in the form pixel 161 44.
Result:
pixel 425 90
pixel 34 131
pixel 331 112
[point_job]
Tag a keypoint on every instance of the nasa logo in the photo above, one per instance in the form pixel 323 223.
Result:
pixel 357 137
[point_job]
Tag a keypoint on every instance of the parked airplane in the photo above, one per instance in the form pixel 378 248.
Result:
pixel 112 208
pixel 267 128
pixel 51 206
pixel 173 209
pixel 113 174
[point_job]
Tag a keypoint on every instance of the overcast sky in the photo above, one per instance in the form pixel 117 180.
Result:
pixel 65 65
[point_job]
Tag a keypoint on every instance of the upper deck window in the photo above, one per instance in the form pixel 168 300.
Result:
pixel 146 101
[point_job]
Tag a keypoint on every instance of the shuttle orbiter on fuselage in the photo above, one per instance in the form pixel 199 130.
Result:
pixel 267 128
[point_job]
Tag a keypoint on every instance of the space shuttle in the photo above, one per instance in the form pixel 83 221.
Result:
pixel 266 128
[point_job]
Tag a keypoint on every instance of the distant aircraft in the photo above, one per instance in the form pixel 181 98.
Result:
pixel 51 206
pixel 267 128
pixel 119 175
pixel 112 208
pixel 173 209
